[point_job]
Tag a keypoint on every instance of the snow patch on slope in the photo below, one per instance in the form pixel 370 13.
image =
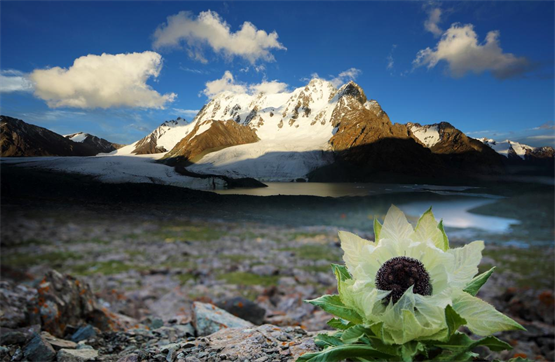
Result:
pixel 428 135
pixel 504 148
pixel 77 137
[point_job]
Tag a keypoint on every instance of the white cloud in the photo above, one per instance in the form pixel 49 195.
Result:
pixel 187 113
pixel 459 47
pixel 14 81
pixel 102 81
pixel 344 77
pixel 390 60
pixel 271 87
pixel 208 28
pixel 224 84
pixel 543 137
pixel 228 84
pixel 431 24
pixel 546 125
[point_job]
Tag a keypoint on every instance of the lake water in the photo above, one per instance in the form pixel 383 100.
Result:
pixel 458 200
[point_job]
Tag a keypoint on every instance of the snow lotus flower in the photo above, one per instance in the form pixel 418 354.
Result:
pixel 410 291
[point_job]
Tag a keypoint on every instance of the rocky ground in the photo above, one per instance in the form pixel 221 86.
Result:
pixel 154 280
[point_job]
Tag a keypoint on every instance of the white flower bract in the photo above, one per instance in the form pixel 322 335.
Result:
pixel 415 316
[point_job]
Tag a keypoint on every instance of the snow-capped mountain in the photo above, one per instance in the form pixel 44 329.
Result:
pixel 517 151
pixel 162 139
pixel 291 135
pixel 100 145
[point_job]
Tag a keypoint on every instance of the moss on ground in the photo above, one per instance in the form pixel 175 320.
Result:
pixel 243 278
pixel 533 267
pixel 28 260
pixel 105 268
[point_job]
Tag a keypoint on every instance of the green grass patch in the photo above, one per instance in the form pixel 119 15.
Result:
pixel 315 252
pixel 105 268
pixel 180 264
pixel 533 267
pixel 303 235
pixel 28 260
pixel 184 233
pixel 184 278
pixel 242 278
pixel 236 258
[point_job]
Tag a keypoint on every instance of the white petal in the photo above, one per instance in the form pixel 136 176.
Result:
pixel 395 225
pixel 437 263
pixel 465 266
pixel 427 231
pixel 352 246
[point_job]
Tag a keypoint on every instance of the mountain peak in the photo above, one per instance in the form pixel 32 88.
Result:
pixel 354 90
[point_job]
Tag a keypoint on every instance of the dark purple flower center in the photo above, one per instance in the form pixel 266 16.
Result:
pixel 399 274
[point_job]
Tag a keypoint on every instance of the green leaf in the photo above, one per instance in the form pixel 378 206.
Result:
pixel 339 353
pixel 410 349
pixel 475 284
pixel 520 359
pixel 341 272
pixel 445 238
pixel 333 305
pixel 355 333
pixel 453 319
pixel 339 323
pixel 482 318
pixel 323 340
pixel 459 345
pixel 380 345
pixel 377 229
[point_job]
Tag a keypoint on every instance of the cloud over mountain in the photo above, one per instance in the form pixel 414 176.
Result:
pixel 228 84
pixel 459 47
pixel 14 81
pixel 209 29
pixel 102 81
pixel 431 24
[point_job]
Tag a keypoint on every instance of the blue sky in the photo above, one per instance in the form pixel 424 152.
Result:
pixel 491 75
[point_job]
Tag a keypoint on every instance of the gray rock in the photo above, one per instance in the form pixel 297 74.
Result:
pixel 209 319
pixel 15 302
pixel 241 344
pixel 76 355
pixel 130 358
pixel 265 270
pixel 15 336
pixel 38 349
pixel 244 309
pixel 83 333
pixel 58 343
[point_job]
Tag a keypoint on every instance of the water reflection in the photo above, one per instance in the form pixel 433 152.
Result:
pixel 324 189
pixel 455 214
pixel 453 209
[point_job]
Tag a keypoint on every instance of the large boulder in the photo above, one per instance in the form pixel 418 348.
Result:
pixel 209 319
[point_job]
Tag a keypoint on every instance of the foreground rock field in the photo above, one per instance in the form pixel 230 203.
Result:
pixel 148 288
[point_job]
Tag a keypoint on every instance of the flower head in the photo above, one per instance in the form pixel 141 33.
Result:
pixel 405 284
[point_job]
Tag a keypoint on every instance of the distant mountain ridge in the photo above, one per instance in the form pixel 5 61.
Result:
pixel 319 132
pixel 20 139
pixel 94 142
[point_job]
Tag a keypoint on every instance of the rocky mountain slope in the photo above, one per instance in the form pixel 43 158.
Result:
pixel 208 136
pixel 23 139
pixel 162 139
pixel 95 143
pixel 455 148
